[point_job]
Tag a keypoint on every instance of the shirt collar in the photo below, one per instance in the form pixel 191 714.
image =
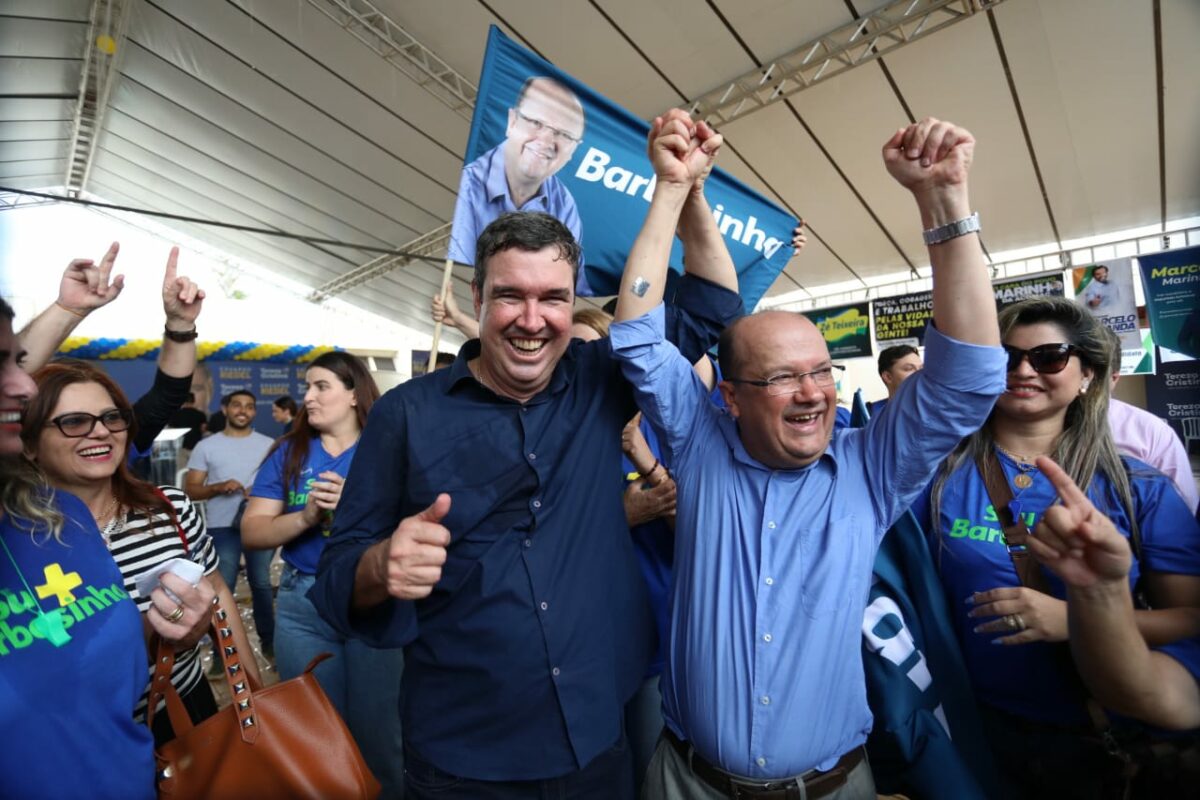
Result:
pixel 560 379
pixel 496 182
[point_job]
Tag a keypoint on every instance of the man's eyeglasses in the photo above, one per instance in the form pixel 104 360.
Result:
pixel 789 382
pixel 1046 359
pixel 560 136
pixel 79 424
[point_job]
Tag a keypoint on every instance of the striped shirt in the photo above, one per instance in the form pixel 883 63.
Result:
pixel 144 543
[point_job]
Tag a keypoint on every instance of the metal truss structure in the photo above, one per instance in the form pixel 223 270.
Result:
pixel 432 244
pixel 872 36
pixel 101 69
pixel 396 46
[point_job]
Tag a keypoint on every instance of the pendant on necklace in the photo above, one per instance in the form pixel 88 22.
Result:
pixel 1023 480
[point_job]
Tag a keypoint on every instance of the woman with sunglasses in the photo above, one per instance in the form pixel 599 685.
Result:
pixel 292 505
pixel 78 431
pixel 1012 631
pixel 71 667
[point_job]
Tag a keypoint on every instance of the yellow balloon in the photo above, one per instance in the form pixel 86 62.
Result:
pixel 106 43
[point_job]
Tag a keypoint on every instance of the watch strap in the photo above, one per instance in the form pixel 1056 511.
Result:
pixel 952 230
pixel 180 336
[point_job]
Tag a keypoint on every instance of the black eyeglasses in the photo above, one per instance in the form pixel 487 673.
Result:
pixel 78 424
pixel 1046 359
pixel 789 382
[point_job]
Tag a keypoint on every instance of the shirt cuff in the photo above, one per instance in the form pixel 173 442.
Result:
pixel 390 624
pixel 650 328
pixel 703 298
pixel 974 368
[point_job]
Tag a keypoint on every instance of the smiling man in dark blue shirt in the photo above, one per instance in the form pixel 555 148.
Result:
pixel 481 524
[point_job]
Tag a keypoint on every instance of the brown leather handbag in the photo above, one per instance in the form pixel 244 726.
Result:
pixel 285 740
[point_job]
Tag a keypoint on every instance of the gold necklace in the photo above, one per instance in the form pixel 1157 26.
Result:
pixel 1022 480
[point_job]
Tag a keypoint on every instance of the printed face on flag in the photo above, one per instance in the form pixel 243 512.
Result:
pixel 544 128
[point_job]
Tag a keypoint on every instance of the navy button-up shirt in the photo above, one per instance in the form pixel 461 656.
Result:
pixel 519 663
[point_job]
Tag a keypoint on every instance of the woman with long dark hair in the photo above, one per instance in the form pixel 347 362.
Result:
pixel 1034 706
pixel 292 505
pixel 72 657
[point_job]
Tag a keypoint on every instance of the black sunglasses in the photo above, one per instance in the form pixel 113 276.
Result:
pixel 78 424
pixel 1046 359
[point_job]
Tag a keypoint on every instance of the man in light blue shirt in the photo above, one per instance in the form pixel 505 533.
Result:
pixel 545 126
pixel 777 525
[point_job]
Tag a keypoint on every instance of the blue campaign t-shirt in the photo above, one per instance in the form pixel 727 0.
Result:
pixel 69 681
pixel 304 551
pixel 1037 680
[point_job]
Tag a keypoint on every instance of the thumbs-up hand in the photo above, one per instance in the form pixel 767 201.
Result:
pixel 417 552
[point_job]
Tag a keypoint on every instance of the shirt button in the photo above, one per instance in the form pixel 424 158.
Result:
pixel 533 456
pixel 762 762
pixel 766 701
pixel 537 503
pixel 545 605
pixel 766 637
pixel 771 524
pixel 528 542
pixel 554 672
pixel 770 581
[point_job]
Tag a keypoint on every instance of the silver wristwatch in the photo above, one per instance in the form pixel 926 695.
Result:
pixel 952 230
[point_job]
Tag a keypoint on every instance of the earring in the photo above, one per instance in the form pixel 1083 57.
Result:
pixel 1083 389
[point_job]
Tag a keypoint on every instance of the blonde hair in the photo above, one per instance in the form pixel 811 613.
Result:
pixel 594 318
pixel 1085 446
pixel 26 498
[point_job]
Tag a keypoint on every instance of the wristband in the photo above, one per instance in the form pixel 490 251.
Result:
pixel 952 230
pixel 180 336
pixel 80 314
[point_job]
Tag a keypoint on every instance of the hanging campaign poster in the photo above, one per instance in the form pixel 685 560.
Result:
pixel 1173 393
pixel 1106 290
pixel 542 141
pixel 1172 284
pixel 902 320
pixel 847 329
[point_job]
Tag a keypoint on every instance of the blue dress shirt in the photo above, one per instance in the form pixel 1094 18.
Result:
pixel 772 567
pixel 518 665
pixel 483 196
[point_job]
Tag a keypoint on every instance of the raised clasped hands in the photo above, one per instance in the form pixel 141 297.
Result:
pixel 929 155
pixel 682 151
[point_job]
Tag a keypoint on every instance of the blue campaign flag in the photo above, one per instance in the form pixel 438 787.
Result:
pixel 927 740
pixel 556 145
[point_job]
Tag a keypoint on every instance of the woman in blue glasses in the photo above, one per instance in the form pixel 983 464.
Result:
pixel 1009 615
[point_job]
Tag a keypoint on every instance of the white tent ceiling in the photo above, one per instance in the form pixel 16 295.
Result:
pixel 266 113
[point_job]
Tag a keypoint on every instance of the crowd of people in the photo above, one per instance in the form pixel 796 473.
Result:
pixel 584 560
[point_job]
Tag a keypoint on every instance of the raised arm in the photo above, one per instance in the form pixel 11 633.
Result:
pixel 704 252
pixel 679 155
pixel 85 287
pixel 931 159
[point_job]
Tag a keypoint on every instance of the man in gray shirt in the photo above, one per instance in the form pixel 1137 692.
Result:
pixel 220 472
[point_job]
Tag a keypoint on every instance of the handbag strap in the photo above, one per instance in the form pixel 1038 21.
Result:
pixel 241 687
pixel 1016 533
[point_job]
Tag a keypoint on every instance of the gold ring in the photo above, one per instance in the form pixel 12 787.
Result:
pixel 175 615
pixel 1011 621
pixel 1020 622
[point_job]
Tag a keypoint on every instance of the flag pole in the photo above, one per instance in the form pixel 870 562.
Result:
pixel 437 326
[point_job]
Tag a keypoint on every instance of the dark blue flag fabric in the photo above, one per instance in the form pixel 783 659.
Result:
pixel 541 140
pixel 927 741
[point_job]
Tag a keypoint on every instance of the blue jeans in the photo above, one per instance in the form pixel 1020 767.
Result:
pixel 363 683
pixel 607 777
pixel 228 542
